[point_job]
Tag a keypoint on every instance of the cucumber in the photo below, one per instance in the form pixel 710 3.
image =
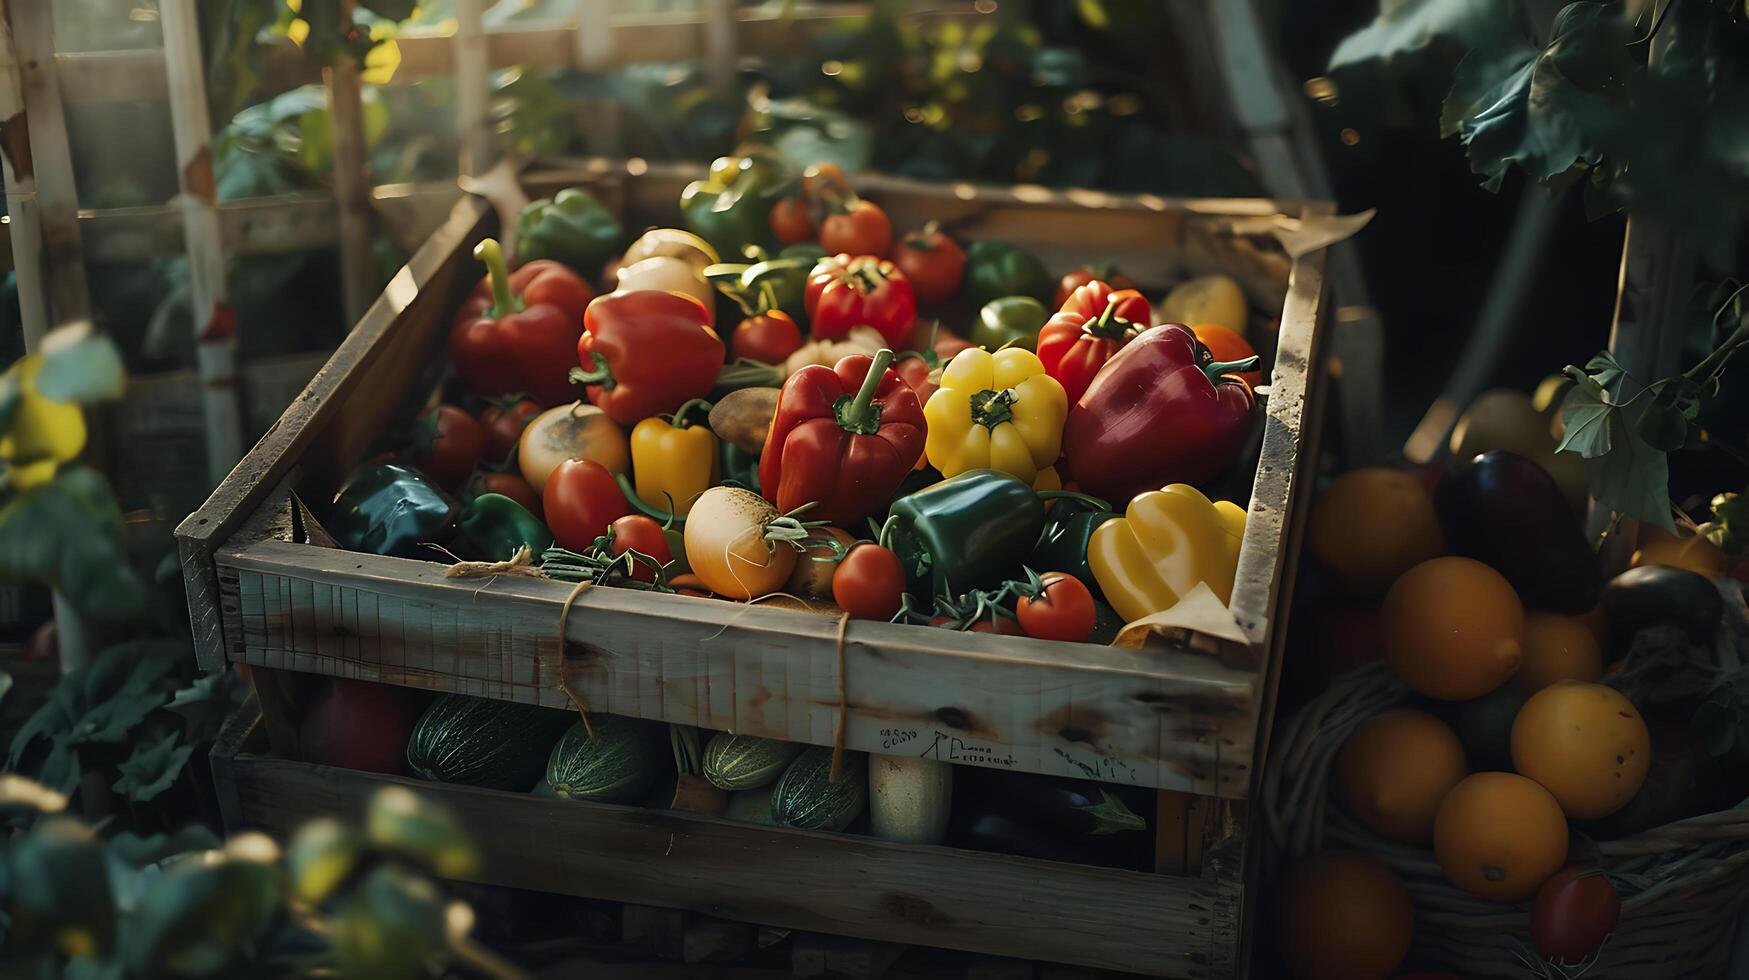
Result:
pixel 479 742
pixel 803 799
pixel 619 765
pixel 909 798
pixel 736 762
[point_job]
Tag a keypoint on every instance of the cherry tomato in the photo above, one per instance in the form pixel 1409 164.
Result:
pixel 511 485
pixel 824 180
pixel 1573 913
pixel 448 444
pixel 769 337
pixel 869 582
pixel 1062 611
pixel 1072 281
pixel 790 221
pixel 1226 345
pixel 933 262
pixel 636 532
pixel 862 228
pixel 1002 625
pixel 581 499
pixel 503 425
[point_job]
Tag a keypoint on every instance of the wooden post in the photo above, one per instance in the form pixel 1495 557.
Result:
pixel 25 223
pixel 599 118
pixel 351 182
pixel 472 80
pixel 33 35
pixel 214 324
pixel 721 56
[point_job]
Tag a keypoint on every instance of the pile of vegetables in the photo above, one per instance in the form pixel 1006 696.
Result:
pixel 1561 694
pixel 895 425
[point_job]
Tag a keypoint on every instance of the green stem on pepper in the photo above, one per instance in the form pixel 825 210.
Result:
pixel 504 302
pixel 1214 369
pixel 992 408
pixel 678 418
pixel 1109 324
pixel 859 413
pixel 601 375
pixel 669 518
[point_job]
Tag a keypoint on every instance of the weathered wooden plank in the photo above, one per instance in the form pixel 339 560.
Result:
pixel 831 883
pixel 1158 717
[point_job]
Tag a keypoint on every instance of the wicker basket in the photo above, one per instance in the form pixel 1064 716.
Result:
pixel 1683 884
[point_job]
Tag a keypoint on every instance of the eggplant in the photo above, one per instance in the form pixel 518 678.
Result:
pixel 1653 595
pixel 1506 511
pixel 1051 818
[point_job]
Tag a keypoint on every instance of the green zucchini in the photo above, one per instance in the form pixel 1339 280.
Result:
pixel 805 800
pixel 619 765
pixel 735 762
pixel 479 742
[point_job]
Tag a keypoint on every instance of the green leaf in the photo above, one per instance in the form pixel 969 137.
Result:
pixel 152 767
pixel 1730 530
pixel 203 910
pixel 67 535
pixel 1632 478
pixel 205 704
pixel 401 820
pixel 322 855
pixel 1407 26
pixel 99 704
pixel 1586 413
pixel 59 889
pixel 1480 77
pixel 1606 371
pixel 391 928
pixel 80 366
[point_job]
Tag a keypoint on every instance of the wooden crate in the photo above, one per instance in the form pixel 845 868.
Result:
pixel 1187 715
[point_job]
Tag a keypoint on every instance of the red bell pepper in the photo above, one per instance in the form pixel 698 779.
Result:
pixel 516 331
pixel 646 352
pixel 1161 411
pixel 1094 323
pixel 847 291
pixel 843 438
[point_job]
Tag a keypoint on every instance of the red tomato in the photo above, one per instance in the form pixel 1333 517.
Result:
pixel 511 485
pixel 580 500
pixel 447 444
pixel 847 291
pixel 869 582
pixel 824 180
pixel 790 221
pixel 769 337
pixel 1080 277
pixel 1062 611
pixel 503 424
pixel 933 262
pixel 862 228
pixel 636 532
pixel 1573 913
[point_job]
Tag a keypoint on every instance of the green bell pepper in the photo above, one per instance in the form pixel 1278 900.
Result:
pixel 1062 546
pixel 739 466
pixel 497 527
pixel 971 531
pixel 387 509
pixel 731 208
pixel 997 269
pixel 1010 321
pixel 769 284
pixel 571 227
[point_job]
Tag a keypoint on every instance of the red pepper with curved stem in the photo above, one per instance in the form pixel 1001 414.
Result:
pixel 842 437
pixel 1161 411
pixel 516 331
pixel 847 291
pixel 646 352
pixel 1073 345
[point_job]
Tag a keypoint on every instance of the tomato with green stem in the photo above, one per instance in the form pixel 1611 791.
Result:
pixel 1106 273
pixel 1055 606
pixel 869 582
pixel 503 422
pixel 447 443
pixel 580 500
pixel 858 227
pixel 636 532
pixel 933 262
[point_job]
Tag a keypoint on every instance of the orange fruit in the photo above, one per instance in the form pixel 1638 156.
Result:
pixel 1346 917
pixel 1453 629
pixel 1586 744
pixel 1395 769
pixel 1226 345
pixel 1371 525
pixel 1690 551
pixel 1557 648
pixel 1498 835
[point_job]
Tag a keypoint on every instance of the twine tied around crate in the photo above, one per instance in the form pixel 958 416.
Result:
pixel 843 706
pixel 564 682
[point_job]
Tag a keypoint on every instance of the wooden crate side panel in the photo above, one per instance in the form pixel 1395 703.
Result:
pixel 1160 718
pixel 839 884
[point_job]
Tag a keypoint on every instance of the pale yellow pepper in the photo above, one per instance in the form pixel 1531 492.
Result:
pixel 41 434
pixel 1167 541
pixel 673 459
pixel 996 411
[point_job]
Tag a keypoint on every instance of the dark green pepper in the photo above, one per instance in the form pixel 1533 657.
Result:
pixel 731 208
pixel 497 527
pixel 571 227
pixel 739 466
pixel 387 509
pixel 998 269
pixel 1010 321
pixel 765 285
pixel 1062 546
pixel 971 531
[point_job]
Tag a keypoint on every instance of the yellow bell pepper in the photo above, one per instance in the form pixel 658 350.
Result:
pixel 1166 542
pixel 996 411
pixel 41 434
pixel 672 458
